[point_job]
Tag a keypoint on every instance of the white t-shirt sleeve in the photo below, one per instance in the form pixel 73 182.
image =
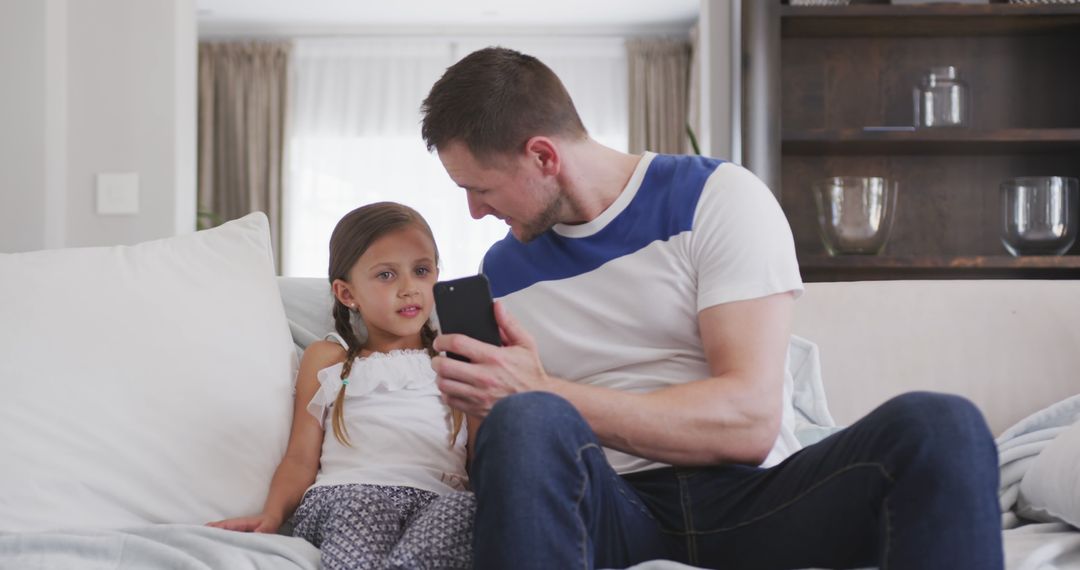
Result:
pixel 741 245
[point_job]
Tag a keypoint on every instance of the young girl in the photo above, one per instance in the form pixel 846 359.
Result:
pixel 389 476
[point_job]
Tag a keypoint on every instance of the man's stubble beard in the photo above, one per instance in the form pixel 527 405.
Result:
pixel 545 220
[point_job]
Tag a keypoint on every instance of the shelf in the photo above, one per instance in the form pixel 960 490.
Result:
pixel 843 96
pixel 927 20
pixel 929 141
pixel 870 268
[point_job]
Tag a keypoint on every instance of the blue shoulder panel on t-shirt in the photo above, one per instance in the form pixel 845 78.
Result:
pixel 663 207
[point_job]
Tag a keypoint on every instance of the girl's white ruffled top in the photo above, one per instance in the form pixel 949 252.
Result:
pixel 397 424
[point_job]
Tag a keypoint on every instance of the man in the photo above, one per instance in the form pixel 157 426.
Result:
pixel 646 412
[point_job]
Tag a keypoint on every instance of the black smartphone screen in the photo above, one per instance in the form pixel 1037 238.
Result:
pixel 464 306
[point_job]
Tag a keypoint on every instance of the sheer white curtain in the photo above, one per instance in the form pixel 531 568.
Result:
pixel 355 135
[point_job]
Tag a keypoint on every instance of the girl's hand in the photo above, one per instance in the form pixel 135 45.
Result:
pixel 258 523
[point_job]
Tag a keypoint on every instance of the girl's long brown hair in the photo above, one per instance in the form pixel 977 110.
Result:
pixel 352 236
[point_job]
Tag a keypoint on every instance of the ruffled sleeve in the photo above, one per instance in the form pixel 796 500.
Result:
pixel 380 372
pixel 329 386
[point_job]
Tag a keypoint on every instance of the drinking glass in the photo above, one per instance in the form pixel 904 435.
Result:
pixel 855 213
pixel 1040 214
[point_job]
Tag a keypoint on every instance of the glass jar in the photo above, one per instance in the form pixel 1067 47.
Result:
pixel 941 99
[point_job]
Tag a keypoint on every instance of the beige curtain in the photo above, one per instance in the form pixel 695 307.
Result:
pixel 242 104
pixel 659 94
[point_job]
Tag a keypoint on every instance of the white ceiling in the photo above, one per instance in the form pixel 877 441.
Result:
pixel 428 16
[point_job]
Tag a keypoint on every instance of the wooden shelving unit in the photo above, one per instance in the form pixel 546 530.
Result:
pixel 879 20
pixel 870 268
pixel 847 71
pixel 942 141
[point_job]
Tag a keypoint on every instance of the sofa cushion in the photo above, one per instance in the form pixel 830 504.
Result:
pixel 142 384
pixel 1050 490
pixel 308 304
pixel 813 420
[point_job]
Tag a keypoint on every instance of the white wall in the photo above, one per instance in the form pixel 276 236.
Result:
pixel 90 87
pixel 718 61
pixel 22 125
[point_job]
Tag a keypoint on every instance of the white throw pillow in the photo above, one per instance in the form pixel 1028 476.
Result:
pixel 1050 490
pixel 142 384
pixel 309 305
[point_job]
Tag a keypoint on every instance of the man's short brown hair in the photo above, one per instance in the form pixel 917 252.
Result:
pixel 494 100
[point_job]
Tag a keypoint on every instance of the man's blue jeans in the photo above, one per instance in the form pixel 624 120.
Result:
pixel 911 485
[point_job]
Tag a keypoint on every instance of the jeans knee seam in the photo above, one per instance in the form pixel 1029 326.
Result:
pixel 688 521
pixel 884 472
pixel 618 487
pixel 888 533
pixel 630 498
pixel 577 505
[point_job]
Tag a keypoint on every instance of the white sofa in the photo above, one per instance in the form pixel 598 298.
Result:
pixel 122 432
pixel 1012 347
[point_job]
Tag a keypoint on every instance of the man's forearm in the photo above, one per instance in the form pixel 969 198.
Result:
pixel 711 421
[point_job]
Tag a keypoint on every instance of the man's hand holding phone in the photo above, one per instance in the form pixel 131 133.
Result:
pixel 491 372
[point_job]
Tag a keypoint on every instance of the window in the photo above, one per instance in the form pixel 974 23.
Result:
pixel 354 137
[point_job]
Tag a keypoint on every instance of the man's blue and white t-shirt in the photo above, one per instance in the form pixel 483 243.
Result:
pixel 614 302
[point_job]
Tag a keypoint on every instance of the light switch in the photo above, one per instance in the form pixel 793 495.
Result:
pixel 118 193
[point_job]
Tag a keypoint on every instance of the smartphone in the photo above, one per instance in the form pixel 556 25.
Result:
pixel 464 306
